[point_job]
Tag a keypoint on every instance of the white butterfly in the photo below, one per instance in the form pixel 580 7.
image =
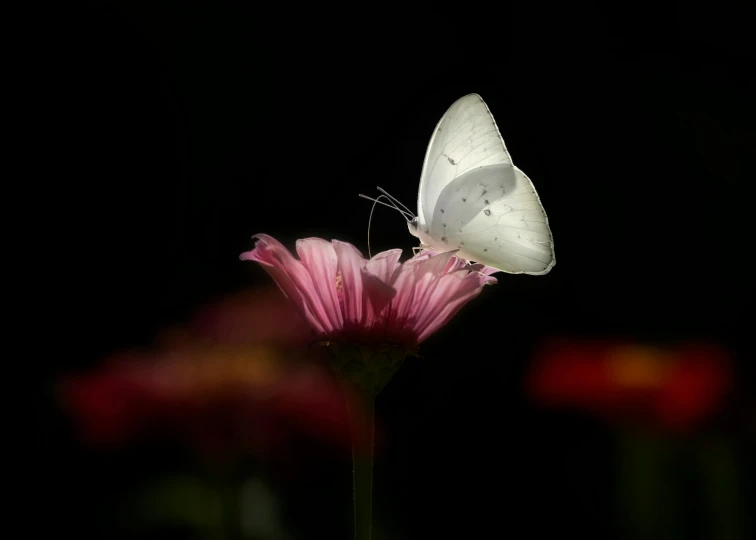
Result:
pixel 473 199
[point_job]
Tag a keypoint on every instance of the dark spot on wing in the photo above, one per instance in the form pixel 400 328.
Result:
pixel 442 210
pixel 450 160
pixel 485 249
pixel 485 202
pixel 484 192
pixel 443 239
pixel 487 212
pixel 464 200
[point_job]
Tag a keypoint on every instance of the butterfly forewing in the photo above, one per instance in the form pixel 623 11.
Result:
pixel 465 138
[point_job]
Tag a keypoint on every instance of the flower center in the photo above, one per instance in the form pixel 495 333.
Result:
pixel 339 283
pixel 638 367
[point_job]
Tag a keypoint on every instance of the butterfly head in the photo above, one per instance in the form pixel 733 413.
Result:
pixel 419 230
pixel 412 226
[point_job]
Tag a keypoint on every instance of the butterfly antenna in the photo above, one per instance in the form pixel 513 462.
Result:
pixel 395 200
pixel 405 214
pixel 370 219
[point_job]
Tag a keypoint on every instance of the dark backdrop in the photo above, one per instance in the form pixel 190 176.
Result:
pixel 175 131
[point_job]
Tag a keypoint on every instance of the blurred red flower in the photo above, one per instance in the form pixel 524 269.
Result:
pixel 673 388
pixel 228 383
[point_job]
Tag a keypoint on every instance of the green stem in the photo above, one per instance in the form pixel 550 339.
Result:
pixel 231 511
pixel 650 494
pixel 717 461
pixel 363 422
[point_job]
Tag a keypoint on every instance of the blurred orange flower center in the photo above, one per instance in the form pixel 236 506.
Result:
pixel 639 367
pixel 211 370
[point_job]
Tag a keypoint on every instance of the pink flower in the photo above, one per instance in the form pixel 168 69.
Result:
pixel 345 297
pixel 230 382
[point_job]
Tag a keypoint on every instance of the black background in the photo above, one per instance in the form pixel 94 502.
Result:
pixel 175 131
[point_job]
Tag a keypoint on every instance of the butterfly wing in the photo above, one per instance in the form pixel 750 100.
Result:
pixel 465 137
pixel 474 199
pixel 494 217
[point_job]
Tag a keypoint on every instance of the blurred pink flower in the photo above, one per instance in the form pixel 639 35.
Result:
pixel 233 381
pixel 221 402
pixel 257 316
pixel 345 297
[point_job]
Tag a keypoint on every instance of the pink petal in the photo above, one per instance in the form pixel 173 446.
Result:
pixel 350 264
pixel 290 276
pixel 365 295
pixel 412 283
pixel 356 252
pixel 485 271
pixel 384 264
pixel 319 257
pixel 404 282
pixel 434 265
pixel 442 292
pixel 378 295
pixel 454 264
pixel 451 294
pixel 447 290
pixel 422 256
pixel 442 318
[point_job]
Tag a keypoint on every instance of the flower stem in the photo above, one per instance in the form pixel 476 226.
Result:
pixel 363 422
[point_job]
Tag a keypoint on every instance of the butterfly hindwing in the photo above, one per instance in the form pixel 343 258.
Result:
pixel 495 218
